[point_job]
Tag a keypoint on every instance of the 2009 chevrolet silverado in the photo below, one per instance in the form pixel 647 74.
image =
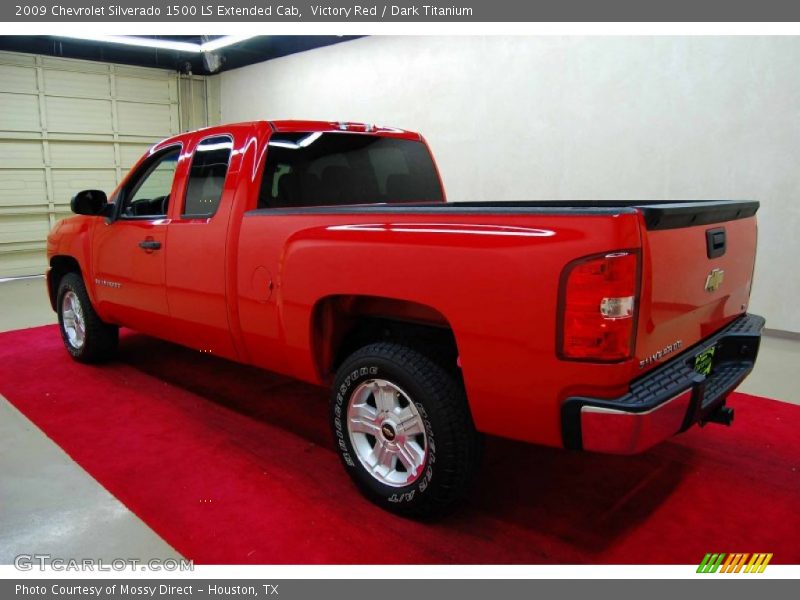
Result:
pixel 327 252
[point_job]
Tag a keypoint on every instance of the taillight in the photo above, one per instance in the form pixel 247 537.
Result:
pixel 598 303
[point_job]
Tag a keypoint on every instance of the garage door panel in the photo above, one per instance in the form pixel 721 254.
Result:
pixel 18 79
pixel 22 188
pixel 20 112
pixel 78 154
pixel 21 153
pixel 96 120
pixel 67 182
pixel 72 65
pixel 18 58
pixel 21 263
pixel 144 119
pixel 130 153
pixel 72 83
pixel 141 88
pixel 16 229
pixel 78 115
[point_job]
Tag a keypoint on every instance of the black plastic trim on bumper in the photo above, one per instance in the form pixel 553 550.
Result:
pixel 736 351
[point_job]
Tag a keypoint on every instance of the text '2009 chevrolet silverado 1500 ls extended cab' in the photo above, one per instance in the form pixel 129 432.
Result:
pixel 327 252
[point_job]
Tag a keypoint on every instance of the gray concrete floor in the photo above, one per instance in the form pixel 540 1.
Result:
pixel 49 504
pixel 25 304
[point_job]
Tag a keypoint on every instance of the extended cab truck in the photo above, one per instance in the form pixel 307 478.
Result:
pixel 327 252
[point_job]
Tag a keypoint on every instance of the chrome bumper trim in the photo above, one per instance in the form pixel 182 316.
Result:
pixel 619 432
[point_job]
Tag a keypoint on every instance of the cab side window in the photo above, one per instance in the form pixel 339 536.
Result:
pixel 149 195
pixel 207 176
pixel 306 169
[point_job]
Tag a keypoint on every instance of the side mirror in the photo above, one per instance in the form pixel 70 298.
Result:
pixel 89 202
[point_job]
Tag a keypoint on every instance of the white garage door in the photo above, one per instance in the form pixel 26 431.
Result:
pixel 69 125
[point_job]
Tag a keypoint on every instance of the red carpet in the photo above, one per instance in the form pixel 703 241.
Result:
pixel 234 465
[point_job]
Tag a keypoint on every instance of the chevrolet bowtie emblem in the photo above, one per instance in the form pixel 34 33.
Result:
pixel 714 280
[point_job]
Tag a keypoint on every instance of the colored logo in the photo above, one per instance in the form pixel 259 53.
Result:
pixel 704 361
pixel 734 563
pixel 714 280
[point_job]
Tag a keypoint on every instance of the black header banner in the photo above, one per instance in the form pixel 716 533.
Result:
pixel 340 11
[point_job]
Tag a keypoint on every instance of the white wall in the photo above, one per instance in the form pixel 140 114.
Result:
pixel 566 118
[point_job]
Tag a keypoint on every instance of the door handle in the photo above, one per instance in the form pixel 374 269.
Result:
pixel 715 242
pixel 149 245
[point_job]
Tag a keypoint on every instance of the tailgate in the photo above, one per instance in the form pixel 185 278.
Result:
pixel 697 269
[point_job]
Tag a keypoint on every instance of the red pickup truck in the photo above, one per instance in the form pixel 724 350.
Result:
pixel 327 252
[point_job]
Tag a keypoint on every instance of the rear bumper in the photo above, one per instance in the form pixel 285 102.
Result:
pixel 667 400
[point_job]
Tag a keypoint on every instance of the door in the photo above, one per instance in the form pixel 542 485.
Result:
pixel 196 258
pixel 128 253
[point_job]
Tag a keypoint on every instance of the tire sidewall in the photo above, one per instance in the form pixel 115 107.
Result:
pixel 351 376
pixel 68 284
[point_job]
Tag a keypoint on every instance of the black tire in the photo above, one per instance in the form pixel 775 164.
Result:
pixel 100 339
pixel 453 445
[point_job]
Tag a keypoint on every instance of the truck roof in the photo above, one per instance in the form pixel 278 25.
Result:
pixel 302 125
pixel 289 126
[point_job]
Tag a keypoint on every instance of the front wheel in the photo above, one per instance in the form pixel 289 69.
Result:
pixel 403 429
pixel 87 338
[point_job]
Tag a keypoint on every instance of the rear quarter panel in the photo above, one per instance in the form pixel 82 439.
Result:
pixel 494 278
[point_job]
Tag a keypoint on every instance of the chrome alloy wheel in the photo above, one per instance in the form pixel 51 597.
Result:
pixel 73 320
pixel 387 432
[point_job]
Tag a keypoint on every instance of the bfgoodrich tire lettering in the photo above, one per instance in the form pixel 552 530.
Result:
pixel 86 337
pixel 442 425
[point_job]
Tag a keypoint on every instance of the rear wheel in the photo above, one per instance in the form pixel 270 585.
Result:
pixel 403 429
pixel 87 338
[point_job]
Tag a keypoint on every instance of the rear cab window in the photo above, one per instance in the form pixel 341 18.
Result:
pixel 306 169
pixel 207 176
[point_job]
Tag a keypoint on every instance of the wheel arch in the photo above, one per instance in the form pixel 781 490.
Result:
pixel 341 324
pixel 60 265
